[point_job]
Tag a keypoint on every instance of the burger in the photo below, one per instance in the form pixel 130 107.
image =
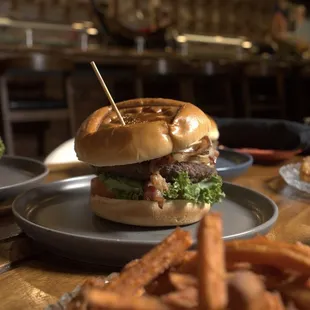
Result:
pixel 156 170
pixel 213 132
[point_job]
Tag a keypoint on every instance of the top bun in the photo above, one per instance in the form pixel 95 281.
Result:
pixel 154 128
pixel 213 131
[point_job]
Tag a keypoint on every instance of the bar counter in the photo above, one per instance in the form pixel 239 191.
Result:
pixel 107 54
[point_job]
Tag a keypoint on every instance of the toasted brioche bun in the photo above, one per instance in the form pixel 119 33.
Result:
pixel 214 133
pixel 154 128
pixel 148 213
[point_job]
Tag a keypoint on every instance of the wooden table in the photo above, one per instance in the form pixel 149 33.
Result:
pixel 31 279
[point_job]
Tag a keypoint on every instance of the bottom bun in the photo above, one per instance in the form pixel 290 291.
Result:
pixel 148 213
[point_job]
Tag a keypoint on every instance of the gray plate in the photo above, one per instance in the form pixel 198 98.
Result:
pixel 57 215
pixel 230 164
pixel 18 174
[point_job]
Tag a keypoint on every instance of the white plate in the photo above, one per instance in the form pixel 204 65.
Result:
pixel 290 174
pixel 63 154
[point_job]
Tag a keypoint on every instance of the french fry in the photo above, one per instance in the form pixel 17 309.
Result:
pixel 152 264
pixel 272 277
pixel 183 299
pixel 233 266
pixel 297 247
pixel 188 265
pixel 303 247
pixel 160 286
pixel 211 264
pixel 255 274
pixel 131 264
pixel 99 282
pixel 182 281
pixel 268 254
pixel 291 306
pixel 299 294
pixel 104 300
pixel 185 259
pixel 273 282
pixel 258 238
pixel 94 282
pixel 246 292
pixel 274 301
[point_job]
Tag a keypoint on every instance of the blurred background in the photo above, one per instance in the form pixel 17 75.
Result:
pixel 232 58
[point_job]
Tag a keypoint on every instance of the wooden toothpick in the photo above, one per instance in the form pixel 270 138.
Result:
pixel 106 90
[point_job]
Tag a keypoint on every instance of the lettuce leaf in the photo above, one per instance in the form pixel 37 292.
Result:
pixel 209 191
pixel 123 188
pixel 2 148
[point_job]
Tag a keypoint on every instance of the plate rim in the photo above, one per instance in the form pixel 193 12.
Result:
pixel 269 155
pixel 238 167
pixel 30 181
pixel 261 227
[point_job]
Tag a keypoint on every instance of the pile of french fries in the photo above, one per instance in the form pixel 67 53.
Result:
pixel 236 275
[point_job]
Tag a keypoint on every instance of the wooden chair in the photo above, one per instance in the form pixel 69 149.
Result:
pixel 300 81
pixel 39 109
pixel 166 78
pixel 212 87
pixel 263 89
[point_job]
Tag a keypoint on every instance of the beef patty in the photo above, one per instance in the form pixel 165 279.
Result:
pixel 141 171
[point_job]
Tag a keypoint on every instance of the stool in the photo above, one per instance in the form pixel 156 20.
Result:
pixel 35 108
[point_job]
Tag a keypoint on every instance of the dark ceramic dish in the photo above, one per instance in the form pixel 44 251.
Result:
pixel 58 216
pixel 231 164
pixel 18 174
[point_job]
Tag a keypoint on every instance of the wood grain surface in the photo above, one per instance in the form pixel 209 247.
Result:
pixel 30 279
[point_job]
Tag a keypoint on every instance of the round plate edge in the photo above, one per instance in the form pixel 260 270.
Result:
pixel 255 230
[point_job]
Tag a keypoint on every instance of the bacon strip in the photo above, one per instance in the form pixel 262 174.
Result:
pixel 159 182
pixel 151 193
